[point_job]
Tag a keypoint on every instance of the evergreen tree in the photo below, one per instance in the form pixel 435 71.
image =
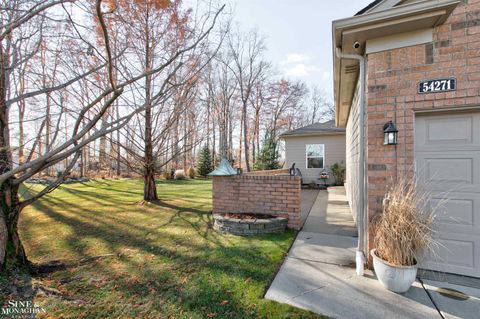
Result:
pixel 204 164
pixel 268 157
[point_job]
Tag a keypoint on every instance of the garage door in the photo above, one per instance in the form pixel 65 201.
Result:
pixel 447 157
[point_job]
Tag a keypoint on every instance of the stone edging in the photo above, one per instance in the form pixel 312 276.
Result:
pixel 248 227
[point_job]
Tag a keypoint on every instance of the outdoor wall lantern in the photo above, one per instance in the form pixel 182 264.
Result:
pixel 390 134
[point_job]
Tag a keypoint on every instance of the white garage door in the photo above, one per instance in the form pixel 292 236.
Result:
pixel 447 157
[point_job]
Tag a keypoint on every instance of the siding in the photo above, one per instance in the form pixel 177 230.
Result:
pixel 353 156
pixel 295 153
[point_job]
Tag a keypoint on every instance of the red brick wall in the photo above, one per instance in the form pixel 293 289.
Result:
pixel 274 195
pixel 393 77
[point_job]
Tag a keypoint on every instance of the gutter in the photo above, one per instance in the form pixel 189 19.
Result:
pixel 319 134
pixel 362 221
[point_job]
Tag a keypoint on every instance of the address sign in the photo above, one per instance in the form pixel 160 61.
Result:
pixel 438 85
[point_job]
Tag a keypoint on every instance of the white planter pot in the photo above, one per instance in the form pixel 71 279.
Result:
pixel 395 278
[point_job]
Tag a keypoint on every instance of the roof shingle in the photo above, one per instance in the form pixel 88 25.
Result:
pixel 371 5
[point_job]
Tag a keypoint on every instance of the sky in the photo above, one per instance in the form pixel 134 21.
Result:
pixel 298 34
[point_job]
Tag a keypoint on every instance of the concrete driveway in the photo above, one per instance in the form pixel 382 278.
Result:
pixel 319 275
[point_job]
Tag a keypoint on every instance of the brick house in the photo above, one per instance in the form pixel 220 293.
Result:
pixel 417 64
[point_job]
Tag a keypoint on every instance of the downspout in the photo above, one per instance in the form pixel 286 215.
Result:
pixel 362 223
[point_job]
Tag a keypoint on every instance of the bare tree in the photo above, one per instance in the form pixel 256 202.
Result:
pixel 319 108
pixel 259 99
pixel 284 104
pixel 221 89
pixel 156 29
pixel 83 120
pixel 246 52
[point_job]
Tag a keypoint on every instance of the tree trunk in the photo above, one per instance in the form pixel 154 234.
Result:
pixel 185 146
pixel 21 133
pixel 176 140
pixel 102 152
pixel 119 156
pixel 21 117
pixel 222 153
pixel 254 154
pixel 9 209
pixel 149 186
pixel 245 136
pixel 240 143
pixel 214 154
pixel 230 138
pixel 11 247
pixel 256 134
pixel 208 122
pixel 82 164
pixel 48 124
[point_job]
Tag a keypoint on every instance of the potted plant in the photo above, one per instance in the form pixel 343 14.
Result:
pixel 403 234
pixel 338 172
pixel 324 177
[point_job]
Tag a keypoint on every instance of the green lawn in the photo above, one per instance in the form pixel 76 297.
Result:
pixel 167 261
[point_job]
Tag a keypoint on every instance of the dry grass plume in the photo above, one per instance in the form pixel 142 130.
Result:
pixel 405 231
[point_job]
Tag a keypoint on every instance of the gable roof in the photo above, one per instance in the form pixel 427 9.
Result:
pixel 315 129
pixel 371 5
pixel 379 19
pixel 381 5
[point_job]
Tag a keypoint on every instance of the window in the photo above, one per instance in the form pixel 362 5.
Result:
pixel 315 155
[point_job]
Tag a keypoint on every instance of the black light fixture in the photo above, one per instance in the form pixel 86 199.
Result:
pixel 390 134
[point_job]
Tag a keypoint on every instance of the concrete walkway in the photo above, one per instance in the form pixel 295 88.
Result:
pixel 319 275
pixel 308 198
pixel 330 214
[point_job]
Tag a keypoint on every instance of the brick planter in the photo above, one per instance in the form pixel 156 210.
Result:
pixel 249 227
pixel 276 195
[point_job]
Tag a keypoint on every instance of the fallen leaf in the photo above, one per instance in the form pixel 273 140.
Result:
pixel 225 302
pixel 211 315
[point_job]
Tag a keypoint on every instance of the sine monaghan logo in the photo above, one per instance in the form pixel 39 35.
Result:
pixel 20 309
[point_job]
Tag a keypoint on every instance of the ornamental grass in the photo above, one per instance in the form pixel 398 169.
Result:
pixel 405 231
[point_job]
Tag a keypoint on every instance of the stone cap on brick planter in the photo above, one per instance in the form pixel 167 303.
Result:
pixel 267 172
pixel 262 177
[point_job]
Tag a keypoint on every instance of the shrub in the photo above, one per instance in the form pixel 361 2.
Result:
pixel 180 174
pixel 338 172
pixel 167 175
pixel 404 231
pixel 191 172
